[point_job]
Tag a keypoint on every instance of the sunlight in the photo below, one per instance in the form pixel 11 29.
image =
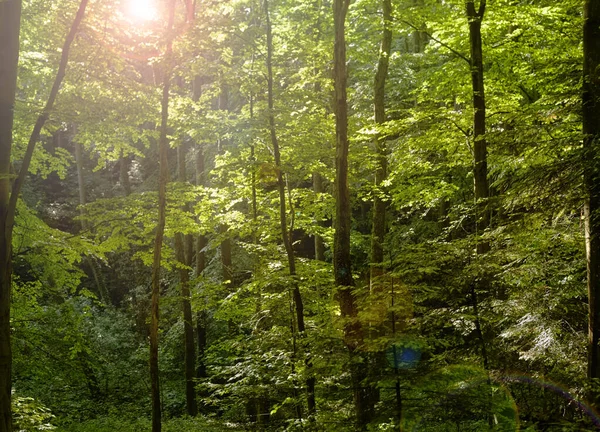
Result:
pixel 141 10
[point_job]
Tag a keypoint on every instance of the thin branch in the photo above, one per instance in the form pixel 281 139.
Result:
pixel 429 35
pixel 481 11
pixel 43 117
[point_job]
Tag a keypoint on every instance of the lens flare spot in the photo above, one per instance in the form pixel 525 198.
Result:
pixel 141 10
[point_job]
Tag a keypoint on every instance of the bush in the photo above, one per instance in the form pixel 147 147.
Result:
pixel 30 415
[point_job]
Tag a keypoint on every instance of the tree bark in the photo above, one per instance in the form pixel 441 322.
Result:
pixel 377 287
pixel 163 179
pixel 285 235
pixel 10 19
pixel 184 281
pixel 482 191
pixel 201 242
pixel 379 206
pixel 319 245
pixel 342 265
pixel 124 174
pixel 591 163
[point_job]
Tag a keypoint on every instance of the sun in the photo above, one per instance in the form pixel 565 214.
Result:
pixel 141 10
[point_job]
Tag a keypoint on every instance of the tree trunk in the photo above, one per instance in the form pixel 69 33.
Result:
pixel 201 243
pixel 285 235
pixel 379 206
pixel 319 245
pixel 163 179
pixel 184 281
pixel 591 152
pixel 378 293
pixel 124 174
pixel 482 191
pixel 10 17
pixel 342 264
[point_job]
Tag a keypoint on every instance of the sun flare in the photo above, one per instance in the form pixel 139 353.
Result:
pixel 141 10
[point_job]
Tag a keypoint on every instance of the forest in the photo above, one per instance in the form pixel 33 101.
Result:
pixel 299 215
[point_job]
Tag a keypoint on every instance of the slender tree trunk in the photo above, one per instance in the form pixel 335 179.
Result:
pixel 163 179
pixel 591 154
pixel 482 190
pixel 285 235
pixel 319 245
pixel 124 174
pixel 10 17
pixel 379 206
pixel 378 292
pixel 184 281
pixel 80 180
pixel 201 243
pixel 226 259
pixel 342 264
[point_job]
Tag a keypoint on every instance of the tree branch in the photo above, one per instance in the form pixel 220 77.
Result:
pixel 448 47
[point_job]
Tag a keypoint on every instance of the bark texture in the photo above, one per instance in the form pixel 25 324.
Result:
pixel 353 337
pixel 319 245
pixel 10 18
pixel 482 190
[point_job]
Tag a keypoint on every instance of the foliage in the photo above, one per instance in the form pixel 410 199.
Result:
pixel 81 288
pixel 30 415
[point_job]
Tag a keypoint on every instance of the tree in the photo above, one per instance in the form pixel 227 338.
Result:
pixel 10 20
pixel 342 260
pixel 184 280
pixel 285 235
pixel 163 180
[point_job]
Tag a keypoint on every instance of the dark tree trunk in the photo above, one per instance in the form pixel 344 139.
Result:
pixel 285 235
pixel 201 243
pixel 379 206
pixel 80 180
pixel 124 174
pixel 378 292
pixel 342 264
pixel 184 281
pixel 163 179
pixel 226 259
pixel 482 190
pixel 319 245
pixel 10 17
pixel 591 161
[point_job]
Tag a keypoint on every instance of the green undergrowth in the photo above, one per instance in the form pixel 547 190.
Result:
pixel 112 424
